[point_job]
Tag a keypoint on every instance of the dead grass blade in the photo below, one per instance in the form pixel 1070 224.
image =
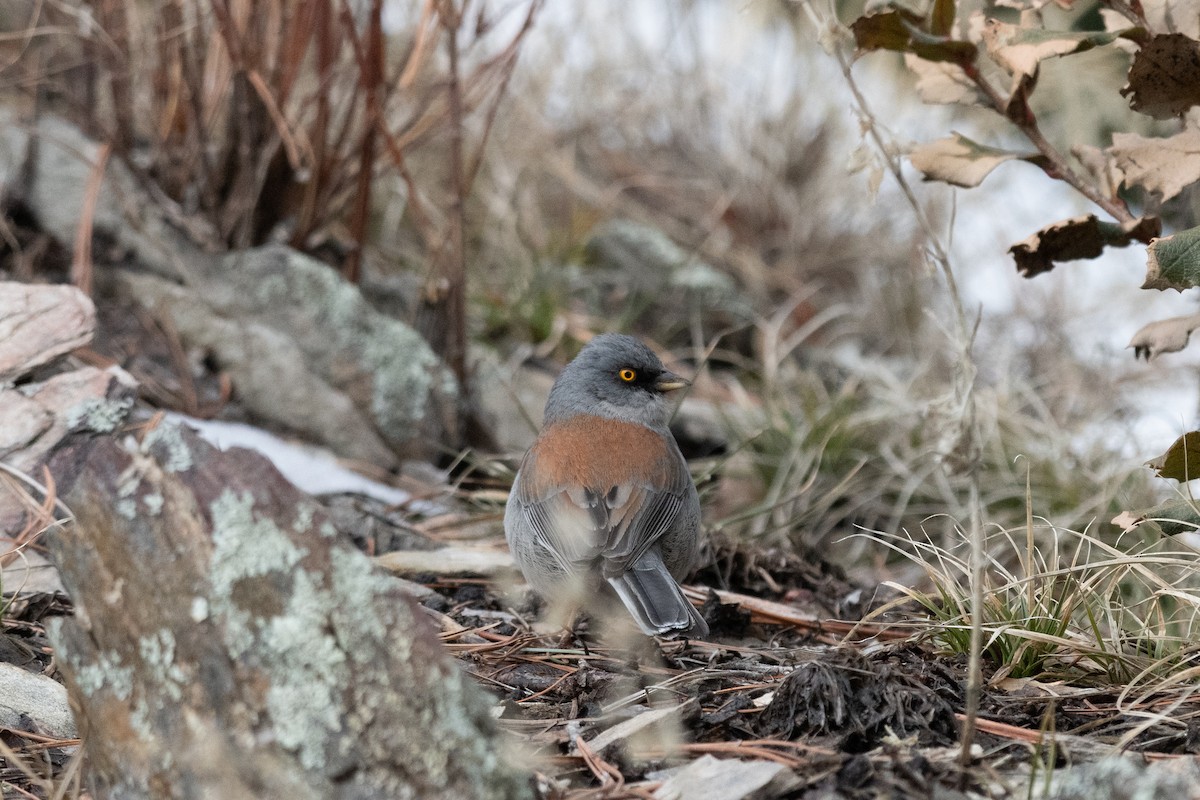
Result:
pixel 81 261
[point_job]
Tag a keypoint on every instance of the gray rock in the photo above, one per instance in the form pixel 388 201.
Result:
pixel 1128 778
pixel 63 167
pixel 227 643
pixel 640 267
pixel 709 778
pixel 306 352
pixel 34 703
pixel 510 399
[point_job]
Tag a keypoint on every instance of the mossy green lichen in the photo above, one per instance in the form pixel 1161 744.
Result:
pixel 244 547
pixel 308 675
pixel 307 670
pixel 177 457
pixel 358 587
pixel 295 289
pixel 453 721
pixel 199 609
pixel 99 414
pixel 106 674
pixel 305 514
pixel 157 650
pixel 129 483
pixel 404 372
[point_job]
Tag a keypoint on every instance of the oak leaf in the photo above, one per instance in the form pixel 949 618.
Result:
pixel 960 161
pixel 901 30
pixel 943 82
pixel 1164 166
pixel 1173 262
pixel 1172 517
pixel 1078 237
pixel 1164 79
pixel 1019 49
pixel 1163 336
pixel 1181 461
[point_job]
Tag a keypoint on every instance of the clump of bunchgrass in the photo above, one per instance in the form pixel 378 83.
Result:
pixel 1061 604
pixel 845 439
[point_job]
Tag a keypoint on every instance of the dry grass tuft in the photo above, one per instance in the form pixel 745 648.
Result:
pixel 1065 605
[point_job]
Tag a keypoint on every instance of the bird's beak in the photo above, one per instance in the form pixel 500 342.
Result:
pixel 669 382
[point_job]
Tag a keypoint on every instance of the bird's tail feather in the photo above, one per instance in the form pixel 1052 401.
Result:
pixel 656 601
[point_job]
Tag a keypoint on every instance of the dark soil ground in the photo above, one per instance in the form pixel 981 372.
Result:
pixel 871 713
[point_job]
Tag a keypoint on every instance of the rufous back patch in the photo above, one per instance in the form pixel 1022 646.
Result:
pixel 598 453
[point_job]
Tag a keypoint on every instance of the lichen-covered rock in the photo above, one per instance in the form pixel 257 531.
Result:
pixel 306 353
pixel 640 273
pixel 228 644
pixel 62 164
pixel 391 376
pixel 34 417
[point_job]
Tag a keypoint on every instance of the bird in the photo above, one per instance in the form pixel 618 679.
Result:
pixel 604 496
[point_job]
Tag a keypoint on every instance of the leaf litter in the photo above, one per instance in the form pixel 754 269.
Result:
pixel 852 704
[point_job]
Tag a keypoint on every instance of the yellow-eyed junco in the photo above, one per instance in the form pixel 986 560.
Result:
pixel 604 494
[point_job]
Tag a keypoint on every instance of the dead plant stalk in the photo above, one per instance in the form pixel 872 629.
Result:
pixel 964 452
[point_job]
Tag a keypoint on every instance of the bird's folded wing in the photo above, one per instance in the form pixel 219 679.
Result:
pixel 578 526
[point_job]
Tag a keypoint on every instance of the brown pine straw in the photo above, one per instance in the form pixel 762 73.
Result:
pixel 81 259
pixel 1016 733
pixel 299 150
pixel 40 515
pixel 771 612
pixel 612 782
pixel 56 788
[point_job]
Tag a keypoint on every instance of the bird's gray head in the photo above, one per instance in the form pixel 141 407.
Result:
pixel 614 376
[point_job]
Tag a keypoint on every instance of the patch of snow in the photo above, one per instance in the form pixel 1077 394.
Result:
pixel 309 468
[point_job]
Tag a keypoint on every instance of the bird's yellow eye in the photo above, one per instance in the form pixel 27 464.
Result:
pixel 627 375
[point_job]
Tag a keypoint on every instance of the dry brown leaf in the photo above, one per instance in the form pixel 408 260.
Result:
pixel 943 82
pixel 996 38
pixel 1164 166
pixel 1020 48
pixel 900 31
pixel 1163 336
pixel 1164 79
pixel 976 22
pixel 1181 461
pixel 1172 517
pixel 958 160
pixel 1116 21
pixel 1033 5
pixel 1077 237
pixel 1127 521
